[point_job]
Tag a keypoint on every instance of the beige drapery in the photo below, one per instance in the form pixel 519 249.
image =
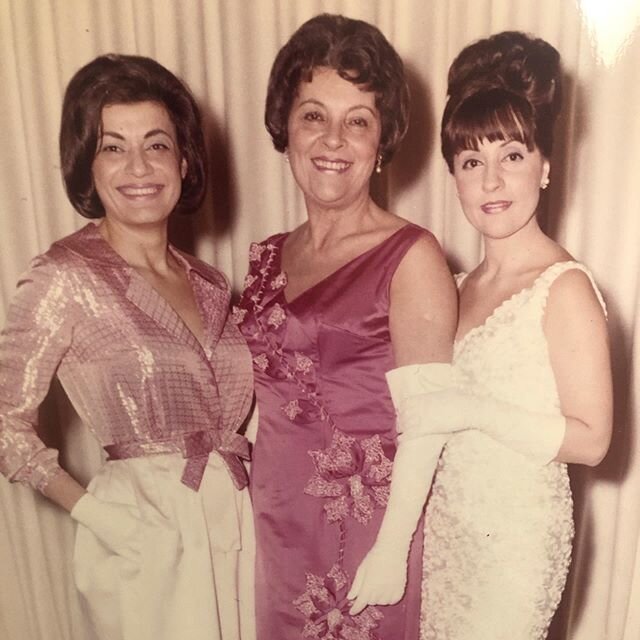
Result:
pixel 223 49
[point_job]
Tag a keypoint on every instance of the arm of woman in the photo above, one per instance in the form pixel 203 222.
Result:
pixel 576 331
pixel 423 317
pixel 38 332
pixel 423 313
pixel 35 338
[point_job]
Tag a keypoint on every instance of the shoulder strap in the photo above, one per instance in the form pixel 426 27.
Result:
pixel 397 244
pixel 389 254
pixel 553 272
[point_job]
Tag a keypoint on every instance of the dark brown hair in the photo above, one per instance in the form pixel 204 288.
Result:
pixel 359 53
pixel 503 87
pixel 124 79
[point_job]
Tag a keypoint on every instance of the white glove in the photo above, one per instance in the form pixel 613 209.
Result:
pixel 381 577
pixel 536 435
pixel 114 524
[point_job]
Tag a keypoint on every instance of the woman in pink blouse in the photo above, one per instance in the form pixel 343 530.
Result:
pixel 138 334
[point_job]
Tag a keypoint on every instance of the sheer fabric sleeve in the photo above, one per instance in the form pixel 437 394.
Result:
pixel 36 336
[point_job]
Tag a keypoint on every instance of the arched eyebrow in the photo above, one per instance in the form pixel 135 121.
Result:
pixel 362 106
pixel 155 132
pixel 311 101
pixel 353 108
pixel 149 134
pixel 510 140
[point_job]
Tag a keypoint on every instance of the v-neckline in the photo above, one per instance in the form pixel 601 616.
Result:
pixel 136 276
pixel 506 302
pixel 334 273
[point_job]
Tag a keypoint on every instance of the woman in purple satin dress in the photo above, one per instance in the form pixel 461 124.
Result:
pixel 327 309
pixel 139 335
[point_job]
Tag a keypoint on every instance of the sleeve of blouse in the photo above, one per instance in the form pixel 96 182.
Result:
pixel 35 338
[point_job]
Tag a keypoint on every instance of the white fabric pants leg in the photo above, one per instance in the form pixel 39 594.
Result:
pixel 194 576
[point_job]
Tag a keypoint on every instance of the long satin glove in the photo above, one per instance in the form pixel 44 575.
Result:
pixel 381 577
pixel 115 525
pixel 538 436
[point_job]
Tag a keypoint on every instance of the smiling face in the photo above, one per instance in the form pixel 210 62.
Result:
pixel 334 134
pixel 499 185
pixel 137 169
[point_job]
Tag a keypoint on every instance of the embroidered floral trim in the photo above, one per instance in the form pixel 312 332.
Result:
pixel 354 474
pixel 255 251
pixel 277 316
pixel 248 281
pixel 325 607
pixel 303 363
pixel 237 314
pixel 261 361
pixel 292 410
pixel 279 281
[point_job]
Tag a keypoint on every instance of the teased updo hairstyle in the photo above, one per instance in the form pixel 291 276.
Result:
pixel 123 79
pixel 503 87
pixel 359 53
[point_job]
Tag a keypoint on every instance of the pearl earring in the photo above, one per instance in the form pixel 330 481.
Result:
pixel 545 183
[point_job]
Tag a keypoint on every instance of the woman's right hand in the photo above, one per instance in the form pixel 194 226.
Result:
pixel 381 577
pixel 114 524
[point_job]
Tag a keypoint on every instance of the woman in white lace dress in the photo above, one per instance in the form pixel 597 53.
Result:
pixel 531 388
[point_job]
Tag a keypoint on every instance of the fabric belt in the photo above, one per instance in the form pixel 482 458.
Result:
pixel 195 447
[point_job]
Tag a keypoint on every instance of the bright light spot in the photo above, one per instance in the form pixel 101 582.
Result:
pixel 611 24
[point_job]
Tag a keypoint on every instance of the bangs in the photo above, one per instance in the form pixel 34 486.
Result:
pixel 490 115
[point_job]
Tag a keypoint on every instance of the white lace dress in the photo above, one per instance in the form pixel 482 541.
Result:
pixel 499 528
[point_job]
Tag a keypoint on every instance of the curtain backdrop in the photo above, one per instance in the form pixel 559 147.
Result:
pixel 223 49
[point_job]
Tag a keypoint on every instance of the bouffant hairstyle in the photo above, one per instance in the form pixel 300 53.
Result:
pixel 503 87
pixel 124 79
pixel 360 54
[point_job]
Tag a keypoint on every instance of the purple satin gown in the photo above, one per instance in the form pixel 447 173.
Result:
pixel 322 461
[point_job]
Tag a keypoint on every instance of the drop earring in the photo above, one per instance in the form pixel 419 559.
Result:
pixel 545 183
pixel 286 155
pixel 379 163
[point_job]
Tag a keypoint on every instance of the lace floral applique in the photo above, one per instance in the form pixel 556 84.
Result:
pixel 277 316
pixel 279 281
pixel 354 474
pixel 249 280
pixel 292 410
pixel 237 314
pixel 255 251
pixel 261 361
pixel 326 610
pixel 303 363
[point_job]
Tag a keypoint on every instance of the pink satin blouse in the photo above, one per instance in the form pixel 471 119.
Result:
pixel 135 374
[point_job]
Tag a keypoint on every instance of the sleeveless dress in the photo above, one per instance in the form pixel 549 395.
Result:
pixel 326 440
pixel 498 527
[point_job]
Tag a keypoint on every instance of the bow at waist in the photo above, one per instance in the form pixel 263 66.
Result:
pixel 195 447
